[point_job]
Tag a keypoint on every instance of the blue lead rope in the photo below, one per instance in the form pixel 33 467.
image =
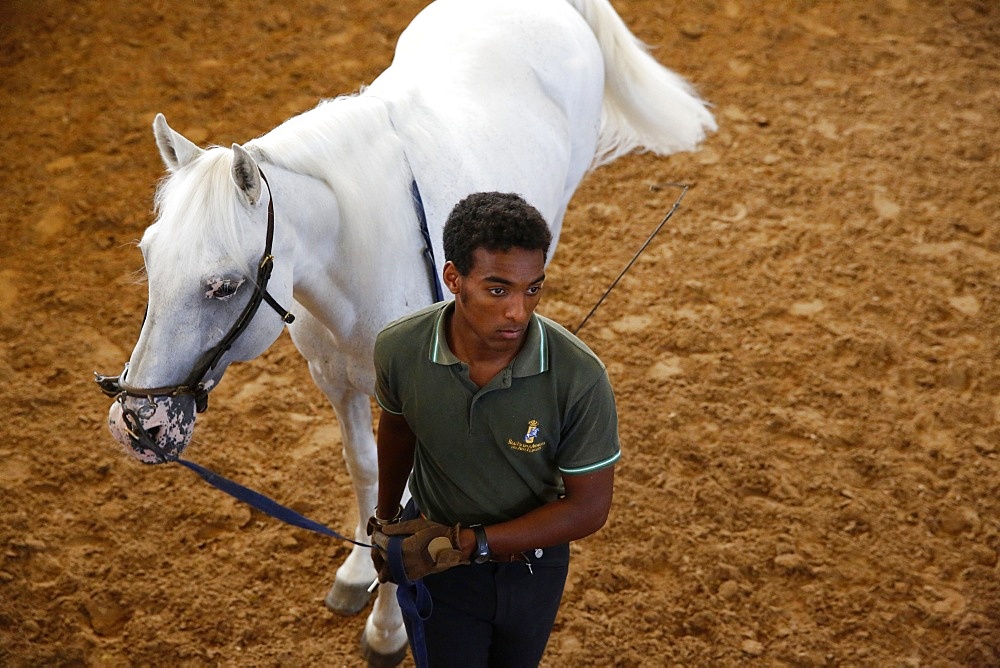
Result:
pixel 414 599
pixel 414 602
pixel 263 503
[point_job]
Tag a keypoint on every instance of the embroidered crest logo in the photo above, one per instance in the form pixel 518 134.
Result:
pixel 529 442
pixel 532 432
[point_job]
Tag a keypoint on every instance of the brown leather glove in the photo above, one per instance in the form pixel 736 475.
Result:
pixel 428 547
pixel 378 554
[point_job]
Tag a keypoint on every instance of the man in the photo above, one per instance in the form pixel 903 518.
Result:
pixel 505 426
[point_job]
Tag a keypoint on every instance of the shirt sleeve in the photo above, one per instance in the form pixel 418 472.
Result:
pixel 385 388
pixel 589 439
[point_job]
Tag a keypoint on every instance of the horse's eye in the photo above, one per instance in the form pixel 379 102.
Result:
pixel 222 288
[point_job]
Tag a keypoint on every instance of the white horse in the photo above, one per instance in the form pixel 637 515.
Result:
pixel 518 96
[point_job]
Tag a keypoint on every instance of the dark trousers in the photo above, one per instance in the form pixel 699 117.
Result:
pixel 495 614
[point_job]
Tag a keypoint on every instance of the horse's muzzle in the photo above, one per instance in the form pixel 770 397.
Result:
pixel 154 430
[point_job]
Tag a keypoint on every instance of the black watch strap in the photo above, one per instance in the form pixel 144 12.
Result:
pixel 482 554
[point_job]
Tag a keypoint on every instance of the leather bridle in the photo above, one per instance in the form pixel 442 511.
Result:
pixel 119 388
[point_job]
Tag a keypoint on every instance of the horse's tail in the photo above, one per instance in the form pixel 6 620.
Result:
pixel 646 106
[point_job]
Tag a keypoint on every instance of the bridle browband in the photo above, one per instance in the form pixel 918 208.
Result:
pixel 117 387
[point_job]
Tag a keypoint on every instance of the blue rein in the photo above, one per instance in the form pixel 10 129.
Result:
pixel 264 503
pixel 412 595
pixel 414 602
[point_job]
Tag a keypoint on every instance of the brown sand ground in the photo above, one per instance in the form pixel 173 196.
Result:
pixel 805 358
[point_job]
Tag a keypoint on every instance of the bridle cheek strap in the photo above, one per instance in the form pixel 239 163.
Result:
pixel 116 386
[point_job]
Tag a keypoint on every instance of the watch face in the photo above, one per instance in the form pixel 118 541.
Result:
pixel 482 547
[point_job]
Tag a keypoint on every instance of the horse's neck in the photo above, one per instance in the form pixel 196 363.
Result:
pixel 347 185
pixel 351 145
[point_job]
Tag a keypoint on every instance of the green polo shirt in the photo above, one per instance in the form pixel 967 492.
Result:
pixel 490 454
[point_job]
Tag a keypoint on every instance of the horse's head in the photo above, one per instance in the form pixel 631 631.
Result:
pixel 209 267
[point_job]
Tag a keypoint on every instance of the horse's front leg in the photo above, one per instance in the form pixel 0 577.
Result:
pixel 340 376
pixel 383 641
pixel 349 593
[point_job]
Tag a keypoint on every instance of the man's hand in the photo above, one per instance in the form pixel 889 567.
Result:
pixel 428 547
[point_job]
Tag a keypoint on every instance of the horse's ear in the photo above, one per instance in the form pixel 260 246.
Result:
pixel 245 174
pixel 175 149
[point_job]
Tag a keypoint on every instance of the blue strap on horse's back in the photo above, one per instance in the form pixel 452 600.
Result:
pixel 428 247
pixel 263 503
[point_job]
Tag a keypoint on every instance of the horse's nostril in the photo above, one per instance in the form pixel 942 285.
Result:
pixel 154 433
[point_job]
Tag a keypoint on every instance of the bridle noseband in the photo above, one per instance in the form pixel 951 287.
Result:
pixel 117 387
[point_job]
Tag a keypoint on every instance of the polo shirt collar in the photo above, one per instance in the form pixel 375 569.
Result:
pixel 532 359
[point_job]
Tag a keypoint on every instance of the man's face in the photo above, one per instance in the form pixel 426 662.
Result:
pixel 494 302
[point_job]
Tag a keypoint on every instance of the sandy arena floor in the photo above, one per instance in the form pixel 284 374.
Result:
pixel 805 358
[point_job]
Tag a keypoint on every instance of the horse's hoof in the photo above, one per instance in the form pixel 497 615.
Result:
pixel 377 660
pixel 347 599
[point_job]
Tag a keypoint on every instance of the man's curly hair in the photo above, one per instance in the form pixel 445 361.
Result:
pixel 493 221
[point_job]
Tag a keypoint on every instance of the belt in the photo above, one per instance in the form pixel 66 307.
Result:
pixel 518 557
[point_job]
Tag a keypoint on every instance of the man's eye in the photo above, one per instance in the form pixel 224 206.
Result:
pixel 222 288
pixel 534 290
pixel 497 292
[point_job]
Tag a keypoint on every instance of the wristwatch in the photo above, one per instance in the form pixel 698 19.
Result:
pixel 482 553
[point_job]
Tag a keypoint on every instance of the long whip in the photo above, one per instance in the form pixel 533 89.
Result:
pixel 635 257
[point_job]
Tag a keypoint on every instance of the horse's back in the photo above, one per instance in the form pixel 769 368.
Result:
pixel 496 95
pixel 503 78
pixel 451 36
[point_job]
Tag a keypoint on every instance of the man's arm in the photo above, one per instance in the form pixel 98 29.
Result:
pixel 582 511
pixel 396 443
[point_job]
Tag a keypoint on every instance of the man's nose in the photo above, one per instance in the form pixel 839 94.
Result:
pixel 517 309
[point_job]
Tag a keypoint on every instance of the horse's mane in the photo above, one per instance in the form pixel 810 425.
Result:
pixel 196 207
pixel 347 142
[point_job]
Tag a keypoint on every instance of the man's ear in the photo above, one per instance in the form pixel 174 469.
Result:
pixel 452 277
